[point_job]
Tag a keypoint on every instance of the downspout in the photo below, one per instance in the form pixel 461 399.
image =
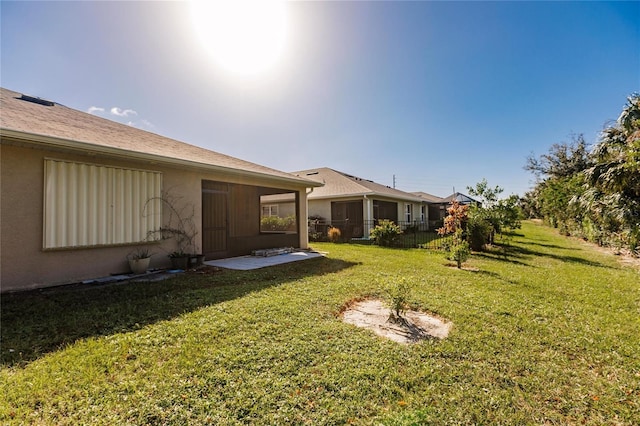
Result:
pixel 304 221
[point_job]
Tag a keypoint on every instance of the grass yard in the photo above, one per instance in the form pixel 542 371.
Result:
pixel 545 332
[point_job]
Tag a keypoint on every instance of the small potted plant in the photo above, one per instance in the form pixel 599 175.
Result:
pixel 179 259
pixel 139 260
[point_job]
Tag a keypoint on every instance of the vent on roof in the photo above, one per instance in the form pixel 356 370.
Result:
pixel 312 173
pixel 36 100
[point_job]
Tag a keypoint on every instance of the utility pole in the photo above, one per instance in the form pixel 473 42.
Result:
pixel 394 181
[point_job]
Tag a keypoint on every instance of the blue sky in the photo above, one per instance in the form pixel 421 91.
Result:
pixel 439 94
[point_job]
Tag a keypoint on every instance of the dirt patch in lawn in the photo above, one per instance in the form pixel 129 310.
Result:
pixel 373 314
pixel 625 257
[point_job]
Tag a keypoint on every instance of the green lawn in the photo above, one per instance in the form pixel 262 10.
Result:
pixel 545 332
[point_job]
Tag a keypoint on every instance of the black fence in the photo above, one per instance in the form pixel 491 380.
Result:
pixel 414 234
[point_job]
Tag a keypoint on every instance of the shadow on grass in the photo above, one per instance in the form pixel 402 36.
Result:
pixel 502 256
pixel 523 251
pixel 35 323
pixel 493 275
pixel 553 246
pixel 517 254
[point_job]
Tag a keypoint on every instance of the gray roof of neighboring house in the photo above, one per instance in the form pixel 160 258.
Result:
pixel 49 123
pixel 342 185
pixel 429 198
pixel 461 198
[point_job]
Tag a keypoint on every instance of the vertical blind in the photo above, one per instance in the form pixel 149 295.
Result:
pixel 94 205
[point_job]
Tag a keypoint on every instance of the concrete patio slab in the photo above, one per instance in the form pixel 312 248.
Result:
pixel 246 263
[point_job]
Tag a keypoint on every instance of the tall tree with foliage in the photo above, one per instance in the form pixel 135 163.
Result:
pixel 594 195
pixel 613 180
pixel 560 180
pixel 563 160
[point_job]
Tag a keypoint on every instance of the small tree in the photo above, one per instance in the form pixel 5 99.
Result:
pixel 498 214
pixel 453 224
pixel 399 294
pixel 385 233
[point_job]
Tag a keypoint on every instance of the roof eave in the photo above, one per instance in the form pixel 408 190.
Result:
pixel 38 139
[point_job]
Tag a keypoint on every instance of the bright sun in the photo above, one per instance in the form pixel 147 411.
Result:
pixel 243 37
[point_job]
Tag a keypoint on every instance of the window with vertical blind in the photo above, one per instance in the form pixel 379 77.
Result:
pixel 87 205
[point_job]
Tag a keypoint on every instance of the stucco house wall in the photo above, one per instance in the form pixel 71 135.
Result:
pixel 23 262
pixel 26 263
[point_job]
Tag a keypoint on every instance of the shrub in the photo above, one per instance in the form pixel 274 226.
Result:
pixel 317 228
pixel 459 250
pixel 275 223
pixel 334 234
pixel 385 233
pixel 411 229
pixel 316 236
pixel 478 231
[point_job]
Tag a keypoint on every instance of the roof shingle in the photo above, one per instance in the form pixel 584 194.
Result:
pixel 339 184
pixel 60 122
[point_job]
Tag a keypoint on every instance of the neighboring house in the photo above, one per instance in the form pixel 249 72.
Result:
pixel 460 198
pixel 80 192
pixel 355 205
pixel 278 205
pixel 437 208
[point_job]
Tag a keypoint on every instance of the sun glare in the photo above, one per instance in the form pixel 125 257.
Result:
pixel 243 37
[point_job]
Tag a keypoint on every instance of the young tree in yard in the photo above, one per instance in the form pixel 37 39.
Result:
pixel 484 213
pixel 488 196
pixel 493 216
pixel 453 224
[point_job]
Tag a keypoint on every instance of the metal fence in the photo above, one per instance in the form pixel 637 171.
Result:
pixel 414 234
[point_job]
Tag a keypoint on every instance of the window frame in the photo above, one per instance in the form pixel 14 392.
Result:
pixel 270 207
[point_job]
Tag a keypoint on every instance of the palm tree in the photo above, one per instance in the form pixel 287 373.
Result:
pixel 613 194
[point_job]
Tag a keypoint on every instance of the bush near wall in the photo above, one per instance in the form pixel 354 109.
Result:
pixel 275 223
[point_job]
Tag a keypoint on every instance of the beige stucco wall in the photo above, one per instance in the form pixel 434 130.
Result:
pixel 286 209
pixel 320 208
pixel 23 262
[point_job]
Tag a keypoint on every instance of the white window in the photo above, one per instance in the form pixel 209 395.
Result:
pixel 423 214
pixel 270 210
pixel 88 205
pixel 408 212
